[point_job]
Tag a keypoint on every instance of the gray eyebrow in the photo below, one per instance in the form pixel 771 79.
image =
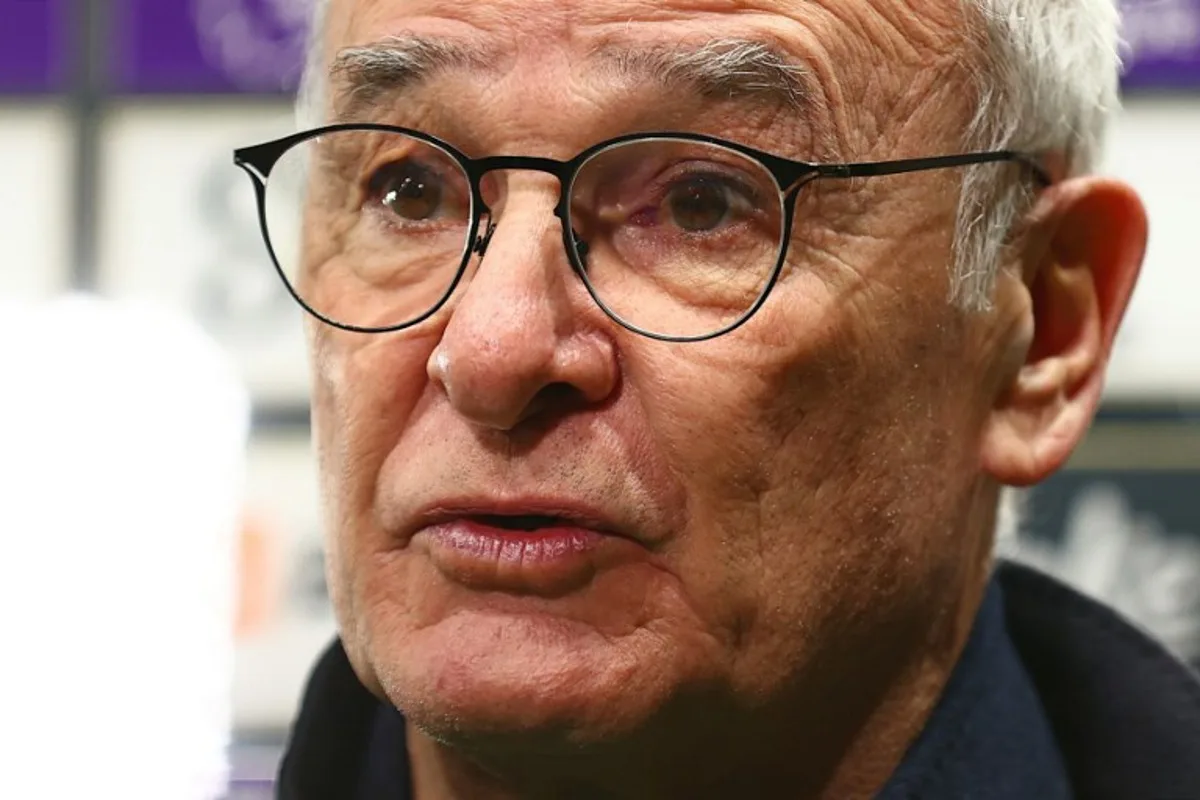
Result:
pixel 364 76
pixel 723 69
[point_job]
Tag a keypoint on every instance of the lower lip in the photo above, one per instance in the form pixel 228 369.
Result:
pixel 547 562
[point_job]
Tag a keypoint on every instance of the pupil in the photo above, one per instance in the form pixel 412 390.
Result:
pixel 698 207
pixel 413 198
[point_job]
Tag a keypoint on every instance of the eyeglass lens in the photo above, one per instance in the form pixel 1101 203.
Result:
pixel 371 229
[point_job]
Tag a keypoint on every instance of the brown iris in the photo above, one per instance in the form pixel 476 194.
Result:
pixel 698 206
pixel 408 192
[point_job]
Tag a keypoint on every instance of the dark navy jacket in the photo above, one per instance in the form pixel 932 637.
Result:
pixel 1054 697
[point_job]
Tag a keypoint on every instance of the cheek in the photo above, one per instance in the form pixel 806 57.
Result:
pixel 867 481
pixel 720 413
pixel 366 388
pixel 811 468
pixel 711 422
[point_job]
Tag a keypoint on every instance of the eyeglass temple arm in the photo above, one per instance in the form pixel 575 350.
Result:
pixel 871 169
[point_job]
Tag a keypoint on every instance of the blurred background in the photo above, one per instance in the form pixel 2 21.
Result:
pixel 117 122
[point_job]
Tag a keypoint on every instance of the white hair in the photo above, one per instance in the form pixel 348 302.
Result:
pixel 1045 77
pixel 310 99
pixel 1044 74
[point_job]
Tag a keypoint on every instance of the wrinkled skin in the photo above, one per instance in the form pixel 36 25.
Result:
pixel 813 495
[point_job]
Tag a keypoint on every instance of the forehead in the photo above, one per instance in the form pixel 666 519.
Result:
pixel 896 32
pixel 873 61
pixel 919 17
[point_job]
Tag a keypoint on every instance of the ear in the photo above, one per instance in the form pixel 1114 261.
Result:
pixel 1086 241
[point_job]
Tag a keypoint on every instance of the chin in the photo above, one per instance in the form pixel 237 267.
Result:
pixel 529 679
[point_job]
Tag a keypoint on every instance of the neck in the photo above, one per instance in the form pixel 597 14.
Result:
pixel 841 739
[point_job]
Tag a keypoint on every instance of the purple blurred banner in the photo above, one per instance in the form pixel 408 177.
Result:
pixel 33 45
pixel 218 46
pixel 206 46
pixel 1163 37
pixel 166 46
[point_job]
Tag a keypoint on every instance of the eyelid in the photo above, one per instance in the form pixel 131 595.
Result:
pixel 394 159
pixel 743 187
pixel 708 169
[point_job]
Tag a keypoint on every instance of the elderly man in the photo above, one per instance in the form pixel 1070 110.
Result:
pixel 669 364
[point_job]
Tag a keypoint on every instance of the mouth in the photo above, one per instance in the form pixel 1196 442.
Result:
pixel 521 516
pixel 536 524
pixel 520 522
pixel 539 549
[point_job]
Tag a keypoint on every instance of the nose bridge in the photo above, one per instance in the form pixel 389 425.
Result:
pixel 518 295
pixel 521 261
pixel 515 326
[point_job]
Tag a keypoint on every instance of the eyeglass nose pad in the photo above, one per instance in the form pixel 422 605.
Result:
pixel 481 242
pixel 581 249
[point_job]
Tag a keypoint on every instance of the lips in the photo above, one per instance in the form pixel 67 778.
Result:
pixel 544 548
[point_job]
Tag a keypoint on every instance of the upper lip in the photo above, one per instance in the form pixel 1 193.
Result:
pixel 568 510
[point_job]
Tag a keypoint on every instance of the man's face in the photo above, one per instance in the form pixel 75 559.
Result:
pixel 792 502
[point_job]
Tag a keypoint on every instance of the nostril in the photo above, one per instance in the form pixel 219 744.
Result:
pixel 552 401
pixel 562 397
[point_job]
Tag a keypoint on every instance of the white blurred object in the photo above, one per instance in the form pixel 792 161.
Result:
pixel 36 143
pixel 1153 147
pixel 1127 559
pixel 198 247
pixel 122 447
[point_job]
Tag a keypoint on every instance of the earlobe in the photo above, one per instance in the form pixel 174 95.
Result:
pixel 1091 235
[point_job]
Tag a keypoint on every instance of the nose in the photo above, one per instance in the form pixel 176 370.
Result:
pixel 524 339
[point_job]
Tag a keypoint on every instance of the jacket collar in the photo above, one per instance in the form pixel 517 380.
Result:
pixel 1125 712
pixel 988 737
pixel 331 735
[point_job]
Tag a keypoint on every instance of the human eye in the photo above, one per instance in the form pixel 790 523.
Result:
pixel 407 191
pixel 677 207
pixel 696 200
pixel 410 186
pixel 704 203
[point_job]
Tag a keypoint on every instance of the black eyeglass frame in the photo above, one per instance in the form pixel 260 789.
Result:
pixel 790 177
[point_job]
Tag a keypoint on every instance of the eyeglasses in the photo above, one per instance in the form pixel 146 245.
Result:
pixel 676 236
